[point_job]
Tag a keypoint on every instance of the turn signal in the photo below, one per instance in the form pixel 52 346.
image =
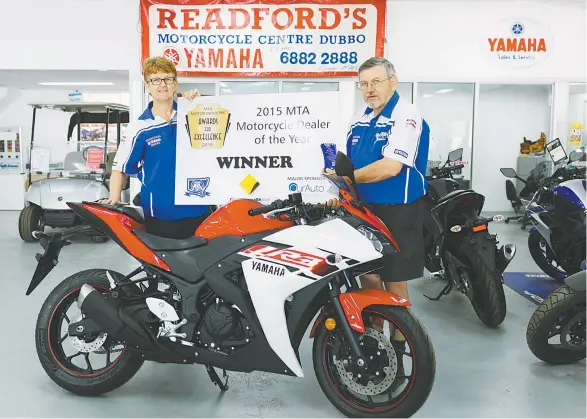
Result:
pixel 330 324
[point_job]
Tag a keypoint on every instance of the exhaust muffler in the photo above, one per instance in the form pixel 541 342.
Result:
pixel 112 318
pixel 505 255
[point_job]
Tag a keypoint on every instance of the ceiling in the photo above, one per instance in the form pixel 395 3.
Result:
pixel 573 3
pixel 30 79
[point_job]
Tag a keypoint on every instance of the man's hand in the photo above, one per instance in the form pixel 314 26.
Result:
pixel 333 203
pixel 110 201
pixel 191 94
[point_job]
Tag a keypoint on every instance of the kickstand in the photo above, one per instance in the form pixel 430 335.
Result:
pixel 445 291
pixel 216 380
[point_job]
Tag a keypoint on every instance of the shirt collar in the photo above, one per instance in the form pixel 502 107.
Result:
pixel 148 113
pixel 387 109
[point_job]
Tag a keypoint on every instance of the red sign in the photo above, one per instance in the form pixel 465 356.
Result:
pixel 312 38
pixel 95 159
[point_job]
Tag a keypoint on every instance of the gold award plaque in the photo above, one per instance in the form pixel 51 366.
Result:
pixel 207 125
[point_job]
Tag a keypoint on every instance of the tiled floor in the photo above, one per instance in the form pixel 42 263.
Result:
pixel 480 372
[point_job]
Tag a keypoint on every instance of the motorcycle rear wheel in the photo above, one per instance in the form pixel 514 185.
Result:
pixel 540 326
pixel 420 382
pixel 488 300
pixel 49 336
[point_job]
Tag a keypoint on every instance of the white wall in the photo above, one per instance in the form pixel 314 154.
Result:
pixel 70 34
pixel 507 114
pixel 444 40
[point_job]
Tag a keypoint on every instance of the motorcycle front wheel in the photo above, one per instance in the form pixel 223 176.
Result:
pixel 383 389
pixel 562 314
pixel 543 256
pixel 89 365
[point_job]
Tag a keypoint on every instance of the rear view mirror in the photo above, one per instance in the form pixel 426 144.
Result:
pixel 455 155
pixel 343 166
pixel 508 172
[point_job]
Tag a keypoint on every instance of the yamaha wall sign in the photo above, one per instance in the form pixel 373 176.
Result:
pixel 518 43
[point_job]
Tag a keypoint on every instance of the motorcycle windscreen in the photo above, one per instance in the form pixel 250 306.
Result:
pixel 339 183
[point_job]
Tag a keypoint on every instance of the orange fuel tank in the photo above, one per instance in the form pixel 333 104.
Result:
pixel 233 219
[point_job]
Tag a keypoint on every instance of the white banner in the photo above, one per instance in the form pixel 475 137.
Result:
pixel 260 147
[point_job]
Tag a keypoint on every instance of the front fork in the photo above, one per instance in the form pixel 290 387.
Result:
pixel 342 320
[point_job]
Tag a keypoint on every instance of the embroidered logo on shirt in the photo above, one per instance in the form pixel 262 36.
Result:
pixel 153 141
pixel 401 153
pixel 411 123
pixel 381 136
pixel 355 139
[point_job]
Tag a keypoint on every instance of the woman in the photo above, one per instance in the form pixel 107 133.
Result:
pixel 147 149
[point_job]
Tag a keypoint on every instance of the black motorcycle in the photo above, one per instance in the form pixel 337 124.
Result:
pixel 562 314
pixel 459 247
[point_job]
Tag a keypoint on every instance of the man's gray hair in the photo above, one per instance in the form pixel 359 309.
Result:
pixel 376 62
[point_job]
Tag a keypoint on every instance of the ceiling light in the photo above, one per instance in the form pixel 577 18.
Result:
pixel 444 91
pixel 427 96
pixel 77 83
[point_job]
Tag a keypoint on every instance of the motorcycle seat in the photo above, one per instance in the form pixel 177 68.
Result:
pixel 123 209
pixel 159 243
pixel 452 194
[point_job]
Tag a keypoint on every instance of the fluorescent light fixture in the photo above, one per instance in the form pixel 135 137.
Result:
pixel 77 83
pixel 305 89
pixel 444 91
pixel 427 95
pixel 307 83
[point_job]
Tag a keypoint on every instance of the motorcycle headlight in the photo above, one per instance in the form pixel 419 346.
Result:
pixel 377 238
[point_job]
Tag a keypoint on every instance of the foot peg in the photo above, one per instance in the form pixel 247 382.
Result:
pixel 216 380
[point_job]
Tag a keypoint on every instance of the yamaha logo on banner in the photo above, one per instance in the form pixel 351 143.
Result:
pixel 518 42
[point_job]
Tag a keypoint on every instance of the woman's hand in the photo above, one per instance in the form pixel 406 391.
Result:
pixel 191 94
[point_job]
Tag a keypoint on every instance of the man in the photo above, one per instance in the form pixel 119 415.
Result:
pixel 388 145
pixel 147 149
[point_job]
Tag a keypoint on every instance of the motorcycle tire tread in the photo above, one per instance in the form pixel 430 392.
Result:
pixel 121 373
pixel 425 373
pixel 540 324
pixel 489 285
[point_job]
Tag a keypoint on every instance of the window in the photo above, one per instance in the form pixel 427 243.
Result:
pixel 448 110
pixel 297 86
pixel 205 89
pixel 248 87
pixel 508 115
pixel 404 89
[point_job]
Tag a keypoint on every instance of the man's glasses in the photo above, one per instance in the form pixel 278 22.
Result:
pixel 156 81
pixel 375 83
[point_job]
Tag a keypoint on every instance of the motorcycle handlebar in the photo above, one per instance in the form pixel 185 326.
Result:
pixel 268 208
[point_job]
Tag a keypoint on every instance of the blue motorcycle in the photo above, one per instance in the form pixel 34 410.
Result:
pixel 557 210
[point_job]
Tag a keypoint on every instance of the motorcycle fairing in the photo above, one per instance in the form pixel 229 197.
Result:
pixel 270 281
pixel 577 281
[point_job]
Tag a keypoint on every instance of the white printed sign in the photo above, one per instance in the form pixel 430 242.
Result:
pixel 518 43
pixel 260 147
pixel 319 38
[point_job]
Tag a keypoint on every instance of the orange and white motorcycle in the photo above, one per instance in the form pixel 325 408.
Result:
pixel 239 295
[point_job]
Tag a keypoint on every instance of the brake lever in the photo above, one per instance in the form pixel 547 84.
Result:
pixel 271 214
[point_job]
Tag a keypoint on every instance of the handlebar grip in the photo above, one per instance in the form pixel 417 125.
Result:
pixel 261 210
pixel 457 167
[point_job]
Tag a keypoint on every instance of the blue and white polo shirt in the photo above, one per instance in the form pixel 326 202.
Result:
pixel 147 149
pixel 398 132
